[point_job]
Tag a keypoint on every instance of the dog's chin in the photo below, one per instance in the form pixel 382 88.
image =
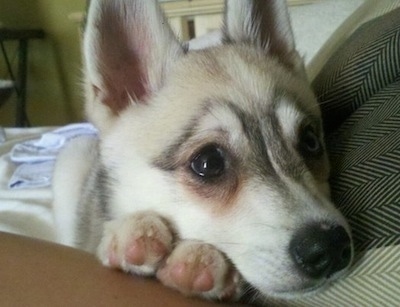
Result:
pixel 300 289
pixel 253 294
pixel 305 289
pixel 277 298
pixel 312 287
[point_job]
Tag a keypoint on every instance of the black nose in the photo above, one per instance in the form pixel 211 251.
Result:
pixel 320 251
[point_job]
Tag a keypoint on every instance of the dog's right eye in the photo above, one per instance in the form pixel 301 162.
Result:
pixel 209 162
pixel 309 142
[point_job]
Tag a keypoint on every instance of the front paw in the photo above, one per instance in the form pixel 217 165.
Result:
pixel 198 269
pixel 136 244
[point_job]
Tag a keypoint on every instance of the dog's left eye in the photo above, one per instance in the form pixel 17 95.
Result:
pixel 209 162
pixel 309 141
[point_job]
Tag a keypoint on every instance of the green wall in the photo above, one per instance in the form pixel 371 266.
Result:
pixel 54 94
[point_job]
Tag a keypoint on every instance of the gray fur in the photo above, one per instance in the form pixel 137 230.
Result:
pixel 94 207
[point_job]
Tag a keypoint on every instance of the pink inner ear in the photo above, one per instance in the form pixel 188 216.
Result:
pixel 122 62
pixel 128 48
pixel 124 85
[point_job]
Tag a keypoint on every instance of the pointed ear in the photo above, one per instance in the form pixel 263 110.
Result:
pixel 128 50
pixel 264 24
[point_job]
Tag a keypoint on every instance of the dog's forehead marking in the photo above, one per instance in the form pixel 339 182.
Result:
pixel 255 136
pixel 272 135
pixel 221 116
pixel 289 116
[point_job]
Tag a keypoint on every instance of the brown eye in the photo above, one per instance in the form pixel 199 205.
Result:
pixel 209 162
pixel 309 142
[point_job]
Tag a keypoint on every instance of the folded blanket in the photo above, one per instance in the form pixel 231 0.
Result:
pixel 36 158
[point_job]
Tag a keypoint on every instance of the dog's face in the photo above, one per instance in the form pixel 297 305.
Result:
pixel 226 142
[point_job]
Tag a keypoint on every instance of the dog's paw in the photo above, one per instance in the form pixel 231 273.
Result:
pixel 136 244
pixel 198 269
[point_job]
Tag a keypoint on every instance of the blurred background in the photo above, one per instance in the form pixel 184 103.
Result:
pixel 53 90
pixel 54 95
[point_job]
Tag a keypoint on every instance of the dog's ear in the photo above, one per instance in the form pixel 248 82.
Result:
pixel 128 49
pixel 264 24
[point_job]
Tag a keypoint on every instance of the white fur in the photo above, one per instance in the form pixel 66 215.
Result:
pixel 71 171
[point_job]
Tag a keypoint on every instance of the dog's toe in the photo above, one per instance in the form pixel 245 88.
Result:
pixel 136 244
pixel 146 250
pixel 187 277
pixel 199 269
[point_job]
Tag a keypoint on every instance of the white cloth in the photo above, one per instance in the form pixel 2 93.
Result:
pixel 25 212
pixel 49 144
pixel 35 158
pixel 32 175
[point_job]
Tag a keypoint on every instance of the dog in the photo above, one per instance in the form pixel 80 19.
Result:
pixel 210 170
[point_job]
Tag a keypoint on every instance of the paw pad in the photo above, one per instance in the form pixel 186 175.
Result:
pixel 136 244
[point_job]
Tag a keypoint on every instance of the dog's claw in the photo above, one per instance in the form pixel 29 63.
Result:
pixel 136 244
pixel 198 269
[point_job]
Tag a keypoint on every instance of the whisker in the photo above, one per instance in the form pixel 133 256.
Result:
pixel 323 103
pixel 234 243
pixel 253 296
pixel 274 227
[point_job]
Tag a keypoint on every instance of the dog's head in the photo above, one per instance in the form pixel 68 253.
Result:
pixel 226 142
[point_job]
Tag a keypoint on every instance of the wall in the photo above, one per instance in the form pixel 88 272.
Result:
pixel 53 94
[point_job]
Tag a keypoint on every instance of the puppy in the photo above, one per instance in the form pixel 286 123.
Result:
pixel 210 170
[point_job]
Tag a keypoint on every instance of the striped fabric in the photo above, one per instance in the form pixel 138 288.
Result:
pixel 365 153
pixel 367 63
pixel 360 96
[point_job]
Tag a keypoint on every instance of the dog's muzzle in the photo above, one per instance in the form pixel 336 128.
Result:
pixel 320 251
